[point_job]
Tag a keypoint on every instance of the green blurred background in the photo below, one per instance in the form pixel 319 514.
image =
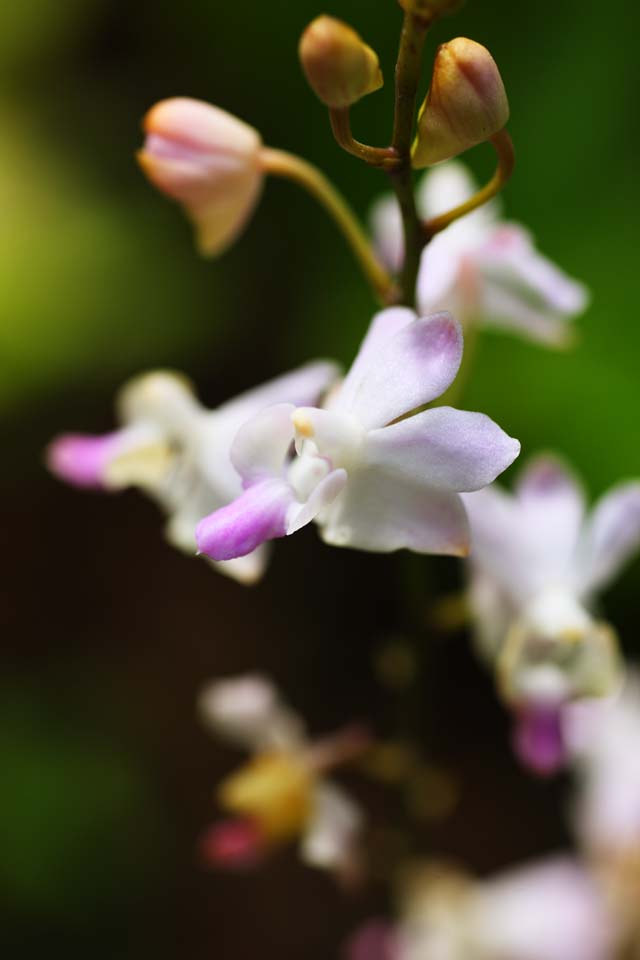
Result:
pixel 107 778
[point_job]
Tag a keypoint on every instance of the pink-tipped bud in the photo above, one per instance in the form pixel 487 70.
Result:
pixel 207 160
pixel 466 104
pixel 340 67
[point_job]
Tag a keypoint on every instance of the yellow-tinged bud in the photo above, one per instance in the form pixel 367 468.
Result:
pixel 466 104
pixel 338 64
pixel 275 790
pixel 207 160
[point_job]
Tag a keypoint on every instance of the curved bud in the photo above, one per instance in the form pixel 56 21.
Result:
pixel 466 104
pixel 338 64
pixel 207 160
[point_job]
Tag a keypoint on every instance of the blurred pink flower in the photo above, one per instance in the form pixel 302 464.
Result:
pixel 482 268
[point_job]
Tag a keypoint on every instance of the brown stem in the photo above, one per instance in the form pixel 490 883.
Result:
pixel 408 69
pixel 385 157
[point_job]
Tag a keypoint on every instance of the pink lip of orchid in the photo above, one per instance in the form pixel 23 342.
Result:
pixel 538 563
pixel 248 712
pixel 178 451
pixel 483 267
pixel 372 475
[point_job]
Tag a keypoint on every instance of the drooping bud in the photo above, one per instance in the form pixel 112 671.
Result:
pixel 340 67
pixel 466 104
pixel 207 160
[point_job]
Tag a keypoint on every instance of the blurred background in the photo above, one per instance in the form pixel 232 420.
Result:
pixel 107 778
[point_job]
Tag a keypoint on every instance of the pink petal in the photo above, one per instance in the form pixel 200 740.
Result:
pixel 82 459
pixel 384 326
pixel 237 529
pixel 611 538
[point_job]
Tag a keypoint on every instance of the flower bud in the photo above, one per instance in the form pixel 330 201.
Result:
pixel 466 104
pixel 208 161
pixel 338 64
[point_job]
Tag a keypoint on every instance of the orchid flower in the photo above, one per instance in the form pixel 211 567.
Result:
pixel 603 736
pixel 177 451
pixel 372 472
pixel 538 564
pixel 548 910
pixel 281 793
pixel 482 268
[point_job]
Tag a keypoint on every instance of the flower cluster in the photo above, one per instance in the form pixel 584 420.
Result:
pixel 377 465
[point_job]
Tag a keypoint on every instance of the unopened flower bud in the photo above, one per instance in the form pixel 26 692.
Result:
pixel 466 104
pixel 338 64
pixel 207 160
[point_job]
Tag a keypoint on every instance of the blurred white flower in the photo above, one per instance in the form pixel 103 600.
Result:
pixel 537 565
pixel 281 793
pixel 482 268
pixel 177 451
pixel 548 910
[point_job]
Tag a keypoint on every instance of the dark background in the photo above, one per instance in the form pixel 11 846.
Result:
pixel 107 777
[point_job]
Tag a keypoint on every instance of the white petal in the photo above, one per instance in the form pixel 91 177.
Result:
pixel 247 711
pixel 381 330
pixel 611 537
pixel 447 186
pixel 386 226
pixel 551 910
pixel 247 570
pixel 413 368
pixel 164 399
pixel 505 310
pixel 332 829
pixel 381 512
pixel 444 448
pixel 324 494
pixel 262 444
pixel 302 387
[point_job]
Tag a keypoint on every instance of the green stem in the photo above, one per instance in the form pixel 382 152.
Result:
pixel 279 163
pixel 408 69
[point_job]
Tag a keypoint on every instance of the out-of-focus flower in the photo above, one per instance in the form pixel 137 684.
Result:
pixel 466 103
pixel 484 270
pixel 549 910
pixel 340 67
pixel 372 476
pixel 281 793
pixel 604 737
pixel 536 567
pixel 177 451
pixel 207 160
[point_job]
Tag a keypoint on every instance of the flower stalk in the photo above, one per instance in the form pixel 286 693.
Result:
pixel 279 163
pixel 503 146
pixel 408 69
